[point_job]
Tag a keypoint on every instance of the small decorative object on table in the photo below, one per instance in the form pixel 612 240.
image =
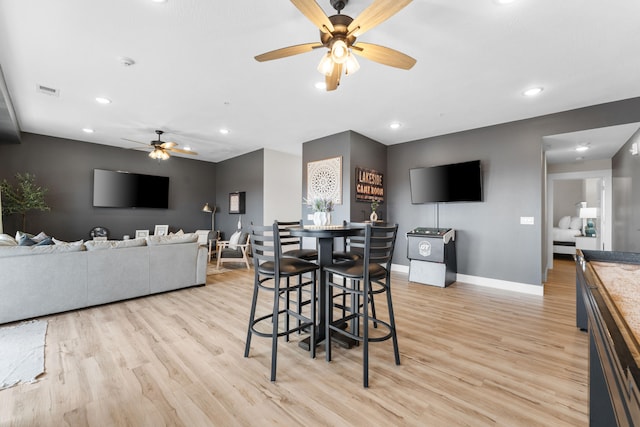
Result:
pixel 321 210
pixel 374 216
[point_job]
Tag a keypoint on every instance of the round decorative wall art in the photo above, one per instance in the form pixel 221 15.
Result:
pixel 324 179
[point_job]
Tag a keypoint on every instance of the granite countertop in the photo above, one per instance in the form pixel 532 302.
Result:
pixel 621 283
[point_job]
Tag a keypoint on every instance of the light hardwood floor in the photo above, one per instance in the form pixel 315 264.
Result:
pixel 471 356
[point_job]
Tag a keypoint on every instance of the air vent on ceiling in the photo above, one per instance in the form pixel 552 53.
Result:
pixel 48 90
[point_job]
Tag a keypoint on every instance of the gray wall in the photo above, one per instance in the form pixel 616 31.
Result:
pixel 369 154
pixel 66 166
pixel 566 194
pixel 242 173
pixel 626 194
pixel 324 148
pixel 490 241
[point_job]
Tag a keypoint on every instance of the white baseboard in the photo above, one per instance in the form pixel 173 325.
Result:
pixel 506 285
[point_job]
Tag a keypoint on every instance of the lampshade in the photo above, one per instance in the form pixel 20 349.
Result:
pixel 339 51
pixel 351 65
pixel 326 65
pixel 206 208
pixel 588 212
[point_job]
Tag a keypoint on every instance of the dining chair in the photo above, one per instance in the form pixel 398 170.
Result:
pixel 367 277
pixel 270 268
pixel 292 245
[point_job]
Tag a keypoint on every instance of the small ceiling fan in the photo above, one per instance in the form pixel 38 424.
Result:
pixel 338 34
pixel 160 150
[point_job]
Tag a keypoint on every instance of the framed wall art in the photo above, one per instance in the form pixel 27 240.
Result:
pixel 237 202
pixel 161 230
pixel 324 180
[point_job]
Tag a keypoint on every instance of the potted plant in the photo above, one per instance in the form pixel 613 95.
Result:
pixel 374 216
pixel 321 208
pixel 26 196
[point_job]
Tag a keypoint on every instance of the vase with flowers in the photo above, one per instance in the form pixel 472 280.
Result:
pixel 374 206
pixel 322 208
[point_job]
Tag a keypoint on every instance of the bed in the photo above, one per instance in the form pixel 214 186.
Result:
pixel 564 235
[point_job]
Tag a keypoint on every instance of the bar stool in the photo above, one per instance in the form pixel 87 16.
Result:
pixel 270 267
pixel 287 240
pixel 367 277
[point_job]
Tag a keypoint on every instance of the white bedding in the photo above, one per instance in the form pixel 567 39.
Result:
pixel 565 235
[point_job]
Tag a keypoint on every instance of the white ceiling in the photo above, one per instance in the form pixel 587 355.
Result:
pixel 195 72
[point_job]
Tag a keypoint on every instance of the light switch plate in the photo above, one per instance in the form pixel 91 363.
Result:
pixel 526 220
pixel 309 217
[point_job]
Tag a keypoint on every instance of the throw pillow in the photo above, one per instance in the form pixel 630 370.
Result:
pixel 25 240
pixel 61 242
pixel 39 237
pixel 19 234
pixel 44 242
pixel 6 240
pixel 576 223
pixel 564 222
pixel 233 240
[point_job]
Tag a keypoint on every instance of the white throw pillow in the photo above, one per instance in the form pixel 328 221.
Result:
pixel 62 242
pixel 170 240
pixel 233 240
pixel 564 222
pixel 6 240
pixel 576 223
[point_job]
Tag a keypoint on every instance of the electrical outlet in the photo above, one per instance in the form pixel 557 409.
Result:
pixel 309 217
pixel 526 220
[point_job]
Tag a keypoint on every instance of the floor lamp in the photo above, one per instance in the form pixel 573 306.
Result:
pixel 207 208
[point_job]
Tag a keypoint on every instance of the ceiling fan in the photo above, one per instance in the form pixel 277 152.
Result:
pixel 338 34
pixel 160 150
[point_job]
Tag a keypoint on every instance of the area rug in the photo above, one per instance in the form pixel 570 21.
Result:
pixel 22 352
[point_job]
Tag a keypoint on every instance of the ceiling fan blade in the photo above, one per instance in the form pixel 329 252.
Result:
pixel 378 12
pixel 315 14
pixel 137 142
pixel 383 55
pixel 179 150
pixel 333 80
pixel 168 145
pixel 288 51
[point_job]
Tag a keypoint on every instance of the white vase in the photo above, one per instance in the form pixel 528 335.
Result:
pixel 373 217
pixel 321 219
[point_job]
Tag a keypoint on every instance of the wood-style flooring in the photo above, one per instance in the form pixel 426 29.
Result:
pixel 470 356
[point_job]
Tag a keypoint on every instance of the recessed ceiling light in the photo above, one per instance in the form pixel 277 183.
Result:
pixel 582 148
pixel 159 1
pixel 533 91
pixel 87 130
pixel 224 131
pixel 102 100
pixel 321 85
pixel 504 1
pixel 187 148
pixel 395 125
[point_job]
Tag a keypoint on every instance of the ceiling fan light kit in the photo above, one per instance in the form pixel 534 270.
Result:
pixel 161 150
pixel 338 34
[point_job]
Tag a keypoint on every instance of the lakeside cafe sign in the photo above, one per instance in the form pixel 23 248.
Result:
pixel 369 185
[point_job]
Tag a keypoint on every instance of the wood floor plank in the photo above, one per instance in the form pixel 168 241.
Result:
pixel 470 356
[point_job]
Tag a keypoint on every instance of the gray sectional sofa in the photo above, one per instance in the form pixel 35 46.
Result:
pixel 36 281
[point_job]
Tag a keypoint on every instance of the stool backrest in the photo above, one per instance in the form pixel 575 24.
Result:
pixel 376 245
pixel 287 241
pixel 264 238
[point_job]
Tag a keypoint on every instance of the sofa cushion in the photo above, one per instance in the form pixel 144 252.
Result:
pixel 9 251
pixel 170 240
pixel 96 245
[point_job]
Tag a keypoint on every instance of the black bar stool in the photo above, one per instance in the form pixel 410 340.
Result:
pixel 270 267
pixel 368 276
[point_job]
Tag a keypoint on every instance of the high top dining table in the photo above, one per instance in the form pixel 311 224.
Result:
pixel 325 236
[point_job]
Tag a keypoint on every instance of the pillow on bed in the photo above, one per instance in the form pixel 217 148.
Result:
pixel 576 223
pixel 564 222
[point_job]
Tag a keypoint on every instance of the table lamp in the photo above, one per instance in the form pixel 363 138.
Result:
pixel 589 214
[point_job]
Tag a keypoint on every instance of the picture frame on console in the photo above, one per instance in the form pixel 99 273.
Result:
pixel 142 233
pixel 161 230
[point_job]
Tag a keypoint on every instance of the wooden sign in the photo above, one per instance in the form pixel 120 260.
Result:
pixel 369 185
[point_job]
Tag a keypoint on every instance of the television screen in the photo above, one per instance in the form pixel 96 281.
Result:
pixel 458 182
pixel 116 189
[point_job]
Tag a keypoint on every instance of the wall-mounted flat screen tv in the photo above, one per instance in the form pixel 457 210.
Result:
pixel 117 189
pixel 457 182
